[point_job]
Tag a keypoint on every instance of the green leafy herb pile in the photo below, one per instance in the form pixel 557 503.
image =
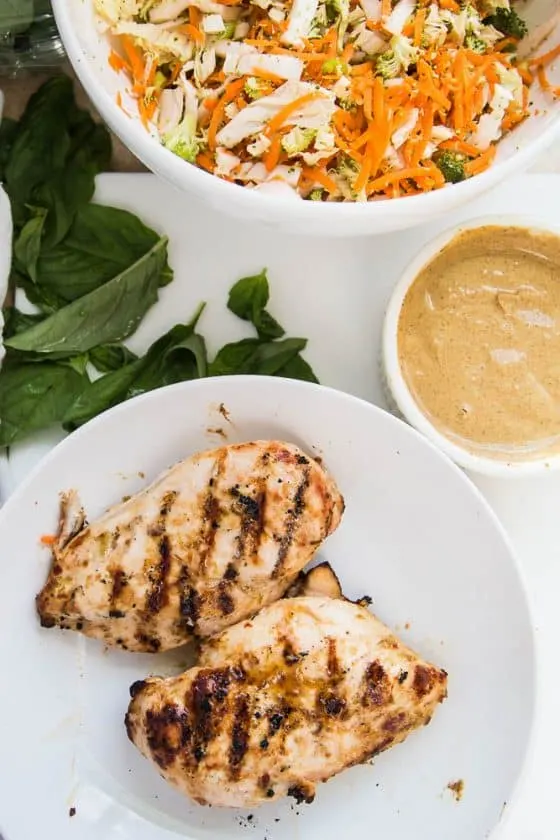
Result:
pixel 92 273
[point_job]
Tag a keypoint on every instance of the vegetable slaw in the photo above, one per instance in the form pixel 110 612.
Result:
pixel 326 100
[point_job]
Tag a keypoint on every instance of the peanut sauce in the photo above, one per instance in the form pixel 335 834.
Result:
pixel 479 341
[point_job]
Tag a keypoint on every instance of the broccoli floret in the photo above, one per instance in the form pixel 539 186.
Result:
pixel 508 22
pixel 182 140
pixel 334 67
pixel 387 65
pixel 398 58
pixel 298 140
pixel 316 194
pixel 474 43
pixel 451 165
pixel 228 31
pixel 255 88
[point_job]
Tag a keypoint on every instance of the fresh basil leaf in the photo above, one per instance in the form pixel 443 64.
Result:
pixel 62 195
pixel 297 368
pixel 15 16
pixel 106 315
pixel 268 327
pixel 253 356
pixel 177 356
pixel 47 301
pixel 27 246
pixel 77 363
pixel 33 397
pixel 248 299
pixel 90 141
pixel 42 141
pixel 273 355
pixel 249 296
pixel 16 321
pixel 234 358
pixel 100 395
pixel 102 242
pixel 8 130
pixel 109 357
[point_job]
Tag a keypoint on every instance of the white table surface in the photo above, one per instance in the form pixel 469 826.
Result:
pixel 335 293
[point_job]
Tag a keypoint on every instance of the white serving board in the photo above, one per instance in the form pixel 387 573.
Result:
pixel 334 293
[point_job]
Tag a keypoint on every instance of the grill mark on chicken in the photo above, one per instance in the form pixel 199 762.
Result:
pixel 119 583
pixel 292 521
pixel 231 572
pixel 189 599
pixel 377 685
pixel 424 680
pixel 150 643
pixel 252 517
pixel 158 528
pixel 167 732
pixel 158 594
pixel 205 698
pixel 211 512
pixel 139 561
pixel 224 599
pixel 333 666
pixel 239 740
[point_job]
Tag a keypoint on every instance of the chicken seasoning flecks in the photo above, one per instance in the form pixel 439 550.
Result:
pixel 187 544
pixel 301 697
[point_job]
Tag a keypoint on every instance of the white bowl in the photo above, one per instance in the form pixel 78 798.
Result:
pixel 88 51
pixel 397 390
pixel 416 535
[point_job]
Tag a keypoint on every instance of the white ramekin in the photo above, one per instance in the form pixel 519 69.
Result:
pixel 398 394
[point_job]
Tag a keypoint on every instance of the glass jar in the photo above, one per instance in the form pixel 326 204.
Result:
pixel 29 40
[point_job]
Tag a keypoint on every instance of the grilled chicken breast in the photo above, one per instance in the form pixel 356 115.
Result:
pixel 213 540
pixel 310 686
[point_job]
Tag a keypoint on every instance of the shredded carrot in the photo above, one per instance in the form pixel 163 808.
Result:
pixel 267 76
pixel 195 16
pixel 147 110
pixel 482 162
pixel 546 58
pixel 209 103
pixel 117 62
pixel 504 43
pixel 229 94
pixel 319 176
pixel 450 6
pixel 427 85
pixel 412 173
pixel 137 66
pixel 368 103
pixel 272 155
pixel 193 32
pixel 205 161
pixel 460 146
pixel 347 53
pixel 419 21
pixel 48 539
pixel 525 74
pixel 286 112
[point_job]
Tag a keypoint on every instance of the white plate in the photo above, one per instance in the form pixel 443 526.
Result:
pixel 417 537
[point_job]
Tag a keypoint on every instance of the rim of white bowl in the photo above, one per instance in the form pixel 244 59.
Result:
pixel 177 171
pixel 395 381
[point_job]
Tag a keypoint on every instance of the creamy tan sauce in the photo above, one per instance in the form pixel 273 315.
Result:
pixel 479 341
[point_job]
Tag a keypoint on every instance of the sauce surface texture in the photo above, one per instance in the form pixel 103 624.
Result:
pixel 479 341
